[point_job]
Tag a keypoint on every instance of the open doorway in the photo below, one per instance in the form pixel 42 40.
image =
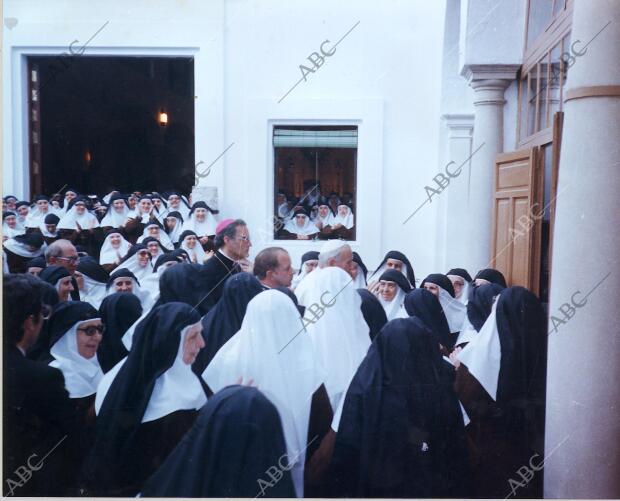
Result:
pixel 102 123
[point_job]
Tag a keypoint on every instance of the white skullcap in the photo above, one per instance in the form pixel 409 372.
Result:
pixel 332 245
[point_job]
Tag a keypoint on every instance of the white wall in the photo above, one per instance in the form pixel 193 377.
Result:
pixel 384 76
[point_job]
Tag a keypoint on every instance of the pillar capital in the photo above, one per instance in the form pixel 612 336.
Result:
pixel 460 125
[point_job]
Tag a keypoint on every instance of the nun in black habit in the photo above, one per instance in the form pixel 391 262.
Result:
pixel 236 439
pixel 118 312
pixel 401 433
pixel 22 248
pixel 424 305
pixel 373 312
pixel 507 404
pixel 75 332
pixel 224 320
pixel 146 403
pixel 489 275
pixel 398 261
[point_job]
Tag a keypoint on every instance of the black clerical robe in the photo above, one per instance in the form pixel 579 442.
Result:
pixel 38 419
pixel 213 275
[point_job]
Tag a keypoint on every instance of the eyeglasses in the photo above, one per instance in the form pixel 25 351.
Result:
pixel 91 330
pixel 245 238
pixel 71 259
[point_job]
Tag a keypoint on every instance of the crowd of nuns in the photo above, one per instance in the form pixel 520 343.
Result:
pixel 162 366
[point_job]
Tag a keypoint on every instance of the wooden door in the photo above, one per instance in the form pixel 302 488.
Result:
pixel 517 214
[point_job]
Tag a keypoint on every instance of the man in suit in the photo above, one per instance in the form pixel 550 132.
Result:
pixel 272 267
pixel 37 414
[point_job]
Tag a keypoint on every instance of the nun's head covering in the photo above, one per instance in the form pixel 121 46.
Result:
pixel 237 436
pixel 33 240
pixel 89 267
pixel 176 285
pixel 373 312
pixel 52 274
pixel 441 281
pixel 425 305
pixel 398 278
pixel 202 205
pixel 118 312
pixel 148 240
pixel 480 303
pixel 308 256
pixel 109 254
pixel 271 323
pixel 492 275
pixel 185 234
pixel 177 255
pixel 360 263
pixel 460 272
pixel 51 219
pixel 152 382
pixel 82 375
pixel 224 320
pixel 121 272
pixel 407 271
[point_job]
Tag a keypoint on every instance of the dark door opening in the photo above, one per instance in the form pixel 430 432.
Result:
pixel 96 123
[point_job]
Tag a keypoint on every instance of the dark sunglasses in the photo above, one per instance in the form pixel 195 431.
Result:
pixel 91 330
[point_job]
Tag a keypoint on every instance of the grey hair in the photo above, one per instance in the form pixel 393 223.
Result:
pixel 56 249
pixel 324 257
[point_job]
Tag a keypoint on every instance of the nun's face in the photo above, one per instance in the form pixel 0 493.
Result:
pixel 10 221
pixel 143 257
pixel 153 231
pixel 174 201
pixel 432 288
pixel 34 270
pixel 70 195
pixel 42 205
pixel 79 278
pixel 145 205
pixel 193 343
pixel 200 214
pixel 190 241
pixel 388 289
pixel 115 240
pixel 300 219
pixel 51 228
pixel 118 205
pixel 311 265
pixel 458 283
pixel 10 203
pixel 157 203
pixel 171 222
pixel 132 202
pixel 323 211
pixel 394 264
pixel 65 288
pixel 153 248
pixel 23 210
pixel 89 335
pixel 55 204
pixel 480 281
pixel 80 208
pixel 354 270
pixel 343 210
pixel 280 199
pixel 123 284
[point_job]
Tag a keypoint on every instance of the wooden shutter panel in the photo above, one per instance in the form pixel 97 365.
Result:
pixel 516 229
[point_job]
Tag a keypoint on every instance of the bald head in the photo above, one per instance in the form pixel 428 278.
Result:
pixel 62 253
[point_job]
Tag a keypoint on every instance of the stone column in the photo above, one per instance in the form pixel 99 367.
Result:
pixel 583 373
pixel 455 241
pixel 489 83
